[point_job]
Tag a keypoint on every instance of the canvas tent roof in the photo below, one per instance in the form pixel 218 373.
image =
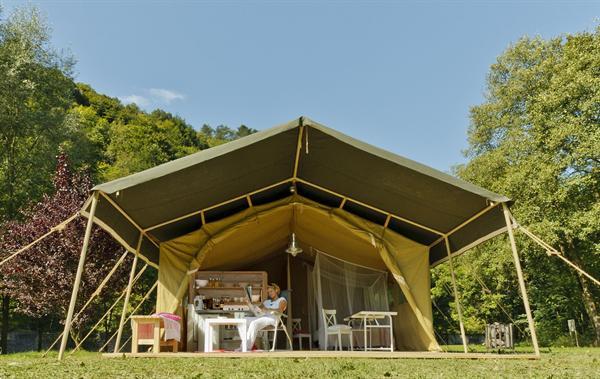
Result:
pixel 175 198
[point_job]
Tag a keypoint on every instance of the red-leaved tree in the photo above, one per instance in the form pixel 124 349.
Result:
pixel 40 280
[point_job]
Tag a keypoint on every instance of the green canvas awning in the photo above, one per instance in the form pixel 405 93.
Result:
pixel 320 164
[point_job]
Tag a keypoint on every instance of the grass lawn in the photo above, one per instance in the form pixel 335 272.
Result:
pixel 555 362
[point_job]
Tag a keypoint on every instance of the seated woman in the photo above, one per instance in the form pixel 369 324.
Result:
pixel 265 319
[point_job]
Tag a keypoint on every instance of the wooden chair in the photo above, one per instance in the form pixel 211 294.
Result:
pixel 146 330
pixel 332 328
pixel 298 333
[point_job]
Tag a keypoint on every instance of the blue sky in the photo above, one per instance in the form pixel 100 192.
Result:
pixel 400 75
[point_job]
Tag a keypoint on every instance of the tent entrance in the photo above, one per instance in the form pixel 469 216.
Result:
pixel 258 233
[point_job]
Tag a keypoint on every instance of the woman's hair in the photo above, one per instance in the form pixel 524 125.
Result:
pixel 275 287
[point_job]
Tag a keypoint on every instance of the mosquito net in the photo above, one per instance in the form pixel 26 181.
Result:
pixel 347 288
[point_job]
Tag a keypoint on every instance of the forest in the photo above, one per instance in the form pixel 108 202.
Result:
pixel 535 138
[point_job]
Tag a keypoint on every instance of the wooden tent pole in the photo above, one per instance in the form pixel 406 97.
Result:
pixel 84 248
pixel 289 300
pixel 96 293
pixel 515 253
pixel 134 310
pixel 108 311
pixel 298 148
pixel 127 294
pixel 456 297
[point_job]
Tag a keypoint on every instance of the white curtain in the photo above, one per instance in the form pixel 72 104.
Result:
pixel 347 288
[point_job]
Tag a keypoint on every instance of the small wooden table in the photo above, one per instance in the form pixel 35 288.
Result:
pixel 370 320
pixel 145 330
pixel 210 323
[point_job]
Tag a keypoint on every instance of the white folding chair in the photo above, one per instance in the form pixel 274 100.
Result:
pixel 279 327
pixel 332 328
pixel 299 334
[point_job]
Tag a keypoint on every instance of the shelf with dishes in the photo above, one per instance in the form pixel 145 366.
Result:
pixel 225 291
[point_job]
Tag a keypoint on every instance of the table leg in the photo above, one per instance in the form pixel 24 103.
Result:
pixel 364 324
pixel 207 338
pixel 244 337
pixel 156 345
pixel 391 334
pixel 134 336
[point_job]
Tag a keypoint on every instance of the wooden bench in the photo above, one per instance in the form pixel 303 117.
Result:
pixel 146 330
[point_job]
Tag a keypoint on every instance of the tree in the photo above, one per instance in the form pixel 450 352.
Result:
pixel 536 138
pixel 35 92
pixel 40 280
pixel 210 137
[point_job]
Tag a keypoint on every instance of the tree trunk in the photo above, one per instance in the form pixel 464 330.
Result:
pixel 5 317
pixel 40 334
pixel 10 215
pixel 587 296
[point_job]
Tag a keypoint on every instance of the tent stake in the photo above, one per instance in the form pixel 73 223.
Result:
pixel 127 294
pixel 84 248
pixel 515 253
pixel 456 297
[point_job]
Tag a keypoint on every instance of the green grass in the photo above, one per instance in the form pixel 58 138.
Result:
pixel 555 362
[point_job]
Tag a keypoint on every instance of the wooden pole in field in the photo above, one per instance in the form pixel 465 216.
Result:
pixel 84 248
pixel 127 294
pixel 456 297
pixel 513 247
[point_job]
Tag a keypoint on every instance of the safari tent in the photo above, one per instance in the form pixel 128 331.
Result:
pixel 237 204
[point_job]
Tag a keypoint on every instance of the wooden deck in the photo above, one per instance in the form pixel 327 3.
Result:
pixel 327 354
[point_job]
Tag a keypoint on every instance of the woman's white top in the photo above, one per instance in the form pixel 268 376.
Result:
pixel 273 304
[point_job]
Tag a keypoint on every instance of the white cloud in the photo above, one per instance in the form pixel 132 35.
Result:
pixel 137 99
pixel 153 96
pixel 165 95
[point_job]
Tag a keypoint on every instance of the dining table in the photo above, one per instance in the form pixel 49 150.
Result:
pixel 370 320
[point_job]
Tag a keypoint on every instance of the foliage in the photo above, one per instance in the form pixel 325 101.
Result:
pixel 40 279
pixel 536 139
pixel 35 92
pixel 221 134
pixel 116 140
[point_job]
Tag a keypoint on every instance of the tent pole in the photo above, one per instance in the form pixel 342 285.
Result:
pixel 96 293
pixel 289 304
pixel 456 297
pixel 134 310
pixel 515 253
pixel 84 248
pixel 127 294
pixel 298 148
pixel 108 311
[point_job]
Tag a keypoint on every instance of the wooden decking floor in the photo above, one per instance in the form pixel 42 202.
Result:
pixel 326 354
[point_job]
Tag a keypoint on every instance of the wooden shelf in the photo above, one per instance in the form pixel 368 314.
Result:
pixel 257 279
pixel 225 288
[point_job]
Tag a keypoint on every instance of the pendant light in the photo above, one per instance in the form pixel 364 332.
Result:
pixel 293 248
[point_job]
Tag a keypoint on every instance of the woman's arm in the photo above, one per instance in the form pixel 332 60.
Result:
pixel 282 305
